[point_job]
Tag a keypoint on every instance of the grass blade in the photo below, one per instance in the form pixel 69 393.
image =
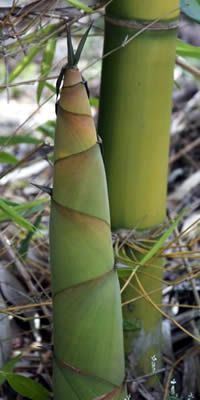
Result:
pixel 7 158
pixel 48 56
pixel 80 5
pixel 15 217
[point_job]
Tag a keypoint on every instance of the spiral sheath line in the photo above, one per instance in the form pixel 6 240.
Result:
pixel 88 340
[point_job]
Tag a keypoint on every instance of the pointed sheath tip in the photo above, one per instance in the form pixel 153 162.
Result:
pixel 44 189
pixel 70 50
pixel 74 57
pixel 81 45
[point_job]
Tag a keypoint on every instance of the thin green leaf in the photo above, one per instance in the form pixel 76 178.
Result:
pixel 50 87
pixel 191 8
pixel 24 63
pixel 25 243
pixel 187 50
pixel 41 35
pixel 80 5
pixel 159 244
pixel 81 46
pixel 48 56
pixel 48 129
pixel 28 207
pixel 18 139
pixel 7 158
pixel 15 217
pixel 26 387
pixel 94 102
pixel 70 50
pixel 8 367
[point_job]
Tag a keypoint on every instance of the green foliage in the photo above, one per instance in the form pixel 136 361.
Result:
pixel 25 243
pixel 94 102
pixel 80 5
pixel 48 129
pixel 191 8
pixel 29 207
pixel 48 56
pixel 23 64
pixel 18 139
pixel 8 367
pixel 7 158
pixel 187 50
pixel 25 386
pixel 14 216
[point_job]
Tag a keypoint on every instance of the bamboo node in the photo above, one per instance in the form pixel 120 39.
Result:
pixel 138 24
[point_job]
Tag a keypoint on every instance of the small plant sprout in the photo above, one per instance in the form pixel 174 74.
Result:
pixel 154 363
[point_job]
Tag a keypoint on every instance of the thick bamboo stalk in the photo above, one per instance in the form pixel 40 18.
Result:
pixel 146 10
pixel 135 107
pixel 88 339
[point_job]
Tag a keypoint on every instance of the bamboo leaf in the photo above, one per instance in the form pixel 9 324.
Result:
pixel 28 207
pixel 48 56
pixel 80 5
pixel 15 217
pixel 24 63
pixel 7 158
pixel 94 102
pixel 26 386
pixel 191 8
pixel 187 50
pixel 24 245
pixel 40 36
pixel 48 129
pixel 81 45
pixel 18 139
pixel 159 244
pixel 50 87
pixel 8 367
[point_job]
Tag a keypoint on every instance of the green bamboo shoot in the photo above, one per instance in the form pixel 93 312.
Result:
pixel 87 320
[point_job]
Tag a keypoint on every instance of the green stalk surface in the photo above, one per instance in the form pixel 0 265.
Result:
pixel 134 122
pixel 87 318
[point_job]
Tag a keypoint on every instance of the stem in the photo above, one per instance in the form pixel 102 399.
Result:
pixel 135 107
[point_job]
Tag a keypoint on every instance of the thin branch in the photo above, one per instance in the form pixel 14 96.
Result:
pixel 189 68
